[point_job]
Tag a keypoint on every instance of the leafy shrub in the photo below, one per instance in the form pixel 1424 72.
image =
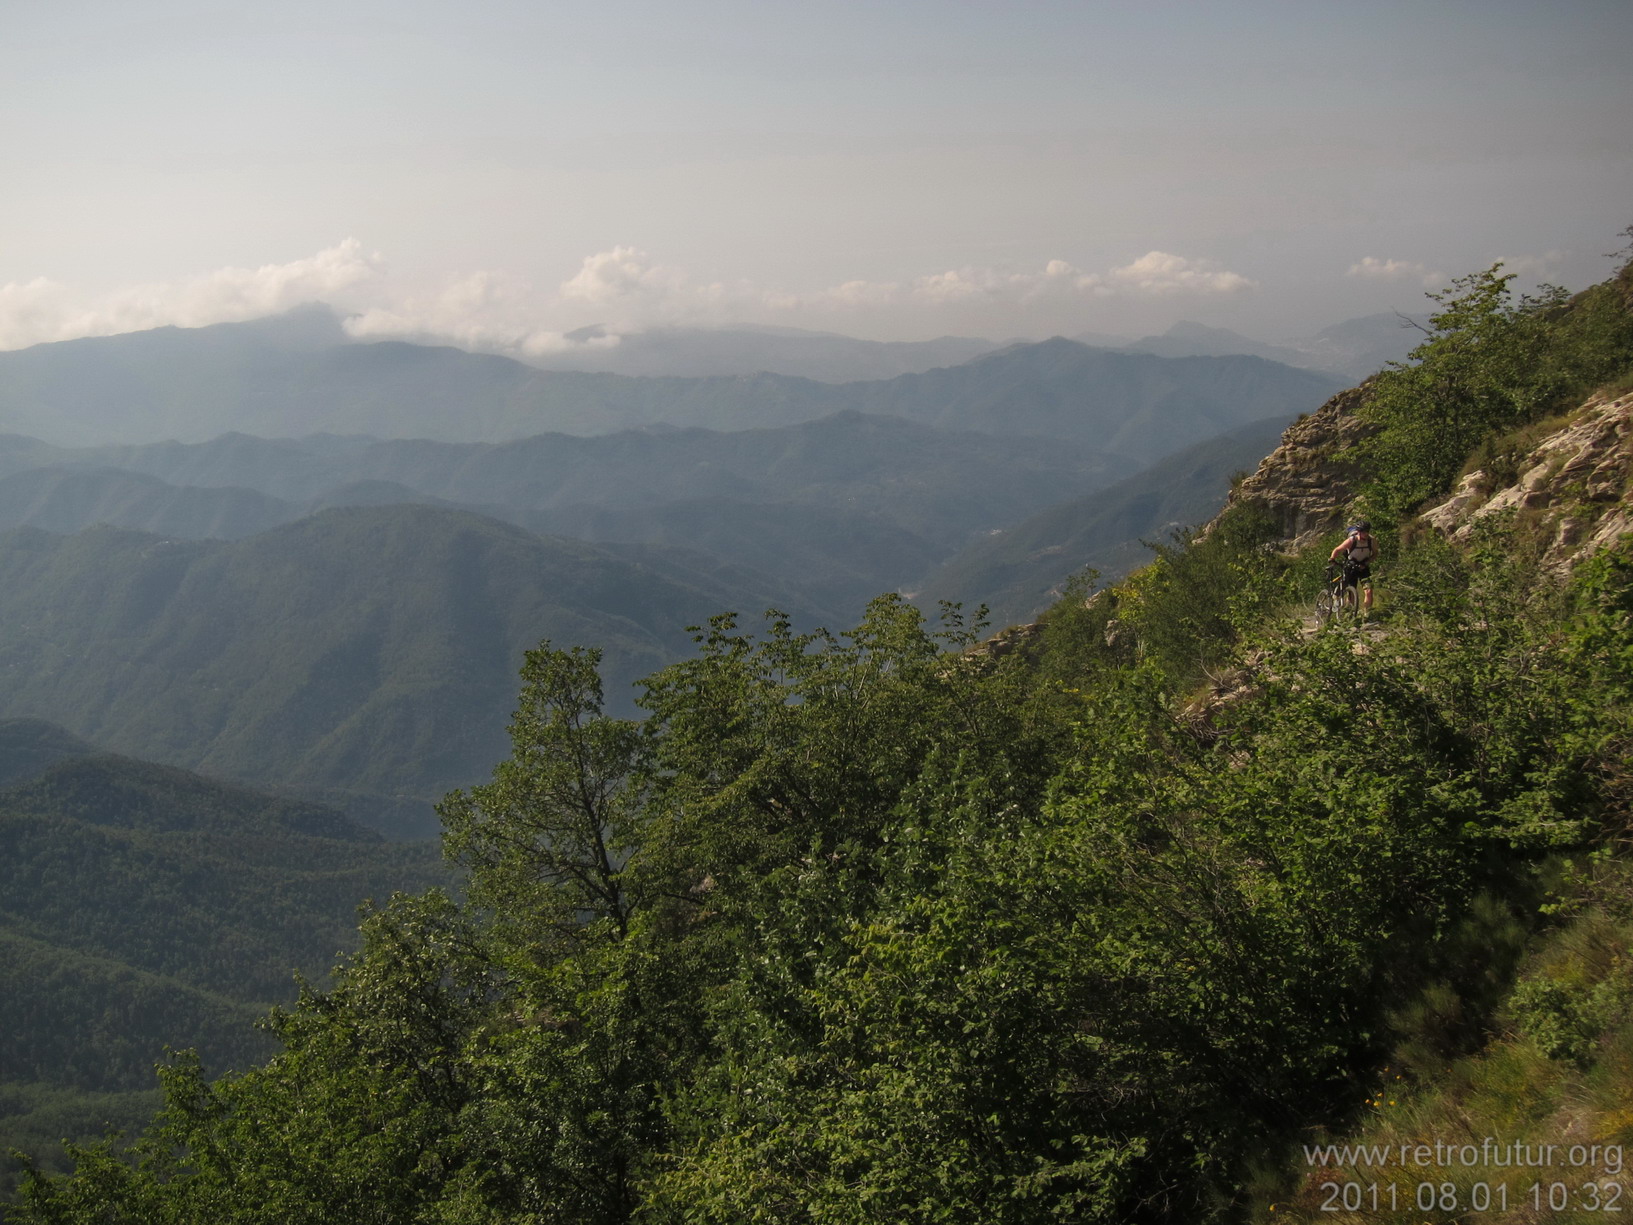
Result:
pixel 1487 365
pixel 1187 608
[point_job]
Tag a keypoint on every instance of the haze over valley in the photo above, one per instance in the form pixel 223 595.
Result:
pixel 397 573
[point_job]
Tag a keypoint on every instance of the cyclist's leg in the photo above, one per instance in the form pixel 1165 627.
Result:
pixel 1348 601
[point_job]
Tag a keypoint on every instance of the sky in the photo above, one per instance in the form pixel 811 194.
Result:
pixel 498 174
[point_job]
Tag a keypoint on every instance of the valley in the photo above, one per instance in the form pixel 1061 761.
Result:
pixel 242 669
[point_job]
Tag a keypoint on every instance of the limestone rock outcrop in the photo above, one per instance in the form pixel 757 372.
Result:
pixel 1576 484
pixel 1308 480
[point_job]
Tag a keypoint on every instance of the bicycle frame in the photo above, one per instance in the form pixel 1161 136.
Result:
pixel 1340 595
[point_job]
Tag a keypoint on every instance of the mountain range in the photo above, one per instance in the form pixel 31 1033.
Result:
pixel 264 593
pixel 1352 350
pixel 341 615
pixel 298 374
pixel 746 349
pixel 836 510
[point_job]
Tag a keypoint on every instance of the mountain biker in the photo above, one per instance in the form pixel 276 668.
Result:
pixel 1359 550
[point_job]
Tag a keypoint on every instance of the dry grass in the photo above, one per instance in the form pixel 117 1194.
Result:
pixel 1514 1091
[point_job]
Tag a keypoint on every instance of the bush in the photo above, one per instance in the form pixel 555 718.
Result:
pixel 1488 364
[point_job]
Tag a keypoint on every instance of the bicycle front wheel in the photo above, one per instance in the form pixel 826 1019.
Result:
pixel 1324 606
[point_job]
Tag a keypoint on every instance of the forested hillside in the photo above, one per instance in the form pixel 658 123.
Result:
pixel 146 908
pixel 364 655
pixel 834 510
pixel 892 925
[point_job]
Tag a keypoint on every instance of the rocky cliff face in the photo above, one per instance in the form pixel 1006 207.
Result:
pixel 1307 481
pixel 1576 485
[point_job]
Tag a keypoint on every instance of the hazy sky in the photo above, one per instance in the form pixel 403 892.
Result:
pixel 500 173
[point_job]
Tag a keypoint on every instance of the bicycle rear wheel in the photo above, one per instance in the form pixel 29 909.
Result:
pixel 1348 602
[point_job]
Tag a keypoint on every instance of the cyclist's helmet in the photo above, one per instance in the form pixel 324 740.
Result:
pixel 1363 526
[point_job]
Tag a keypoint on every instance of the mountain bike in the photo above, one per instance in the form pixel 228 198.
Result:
pixel 1340 597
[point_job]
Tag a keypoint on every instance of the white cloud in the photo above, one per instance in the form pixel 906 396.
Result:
pixel 1371 268
pixel 623 289
pixel 32 312
pixel 964 284
pixel 622 275
pixel 957 285
pixel 1533 267
pixel 486 312
pixel 1155 273
pixel 1158 272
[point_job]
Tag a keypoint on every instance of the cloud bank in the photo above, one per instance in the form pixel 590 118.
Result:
pixel 40 310
pixel 1371 268
pixel 1532 267
pixel 1525 267
pixel 623 289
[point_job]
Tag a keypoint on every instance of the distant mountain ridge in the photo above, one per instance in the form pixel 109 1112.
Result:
pixel 288 377
pixel 838 509
pixel 885 463
pixel 1351 350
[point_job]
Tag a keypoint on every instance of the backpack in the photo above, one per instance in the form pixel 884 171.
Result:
pixel 1362 547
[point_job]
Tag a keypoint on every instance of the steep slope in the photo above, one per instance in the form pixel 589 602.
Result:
pixel 1019 571
pixel 1306 483
pixel 290 377
pixel 365 653
pixel 1573 484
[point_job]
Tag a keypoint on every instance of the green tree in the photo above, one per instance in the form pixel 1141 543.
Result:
pixel 1487 364
pixel 550 843
pixel 1476 371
